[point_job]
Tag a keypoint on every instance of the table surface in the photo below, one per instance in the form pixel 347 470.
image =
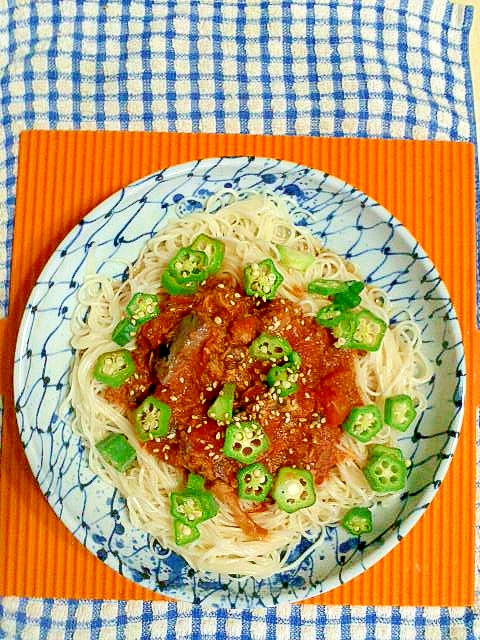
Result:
pixel 365 622
pixel 475 56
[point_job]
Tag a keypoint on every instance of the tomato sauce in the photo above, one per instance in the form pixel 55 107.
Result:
pixel 200 342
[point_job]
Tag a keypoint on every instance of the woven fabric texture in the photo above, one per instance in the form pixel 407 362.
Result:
pixel 367 68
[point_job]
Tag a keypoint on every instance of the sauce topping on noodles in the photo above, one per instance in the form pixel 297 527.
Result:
pixel 200 342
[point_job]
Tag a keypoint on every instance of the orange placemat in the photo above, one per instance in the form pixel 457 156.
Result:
pixel 429 186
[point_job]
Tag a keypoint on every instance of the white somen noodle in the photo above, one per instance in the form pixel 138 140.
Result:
pixel 250 226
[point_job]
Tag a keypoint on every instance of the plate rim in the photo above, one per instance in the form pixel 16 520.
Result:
pixel 27 322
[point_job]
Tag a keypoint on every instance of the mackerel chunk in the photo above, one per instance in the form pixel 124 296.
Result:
pixel 187 343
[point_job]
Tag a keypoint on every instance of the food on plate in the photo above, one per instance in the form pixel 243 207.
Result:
pixel 242 386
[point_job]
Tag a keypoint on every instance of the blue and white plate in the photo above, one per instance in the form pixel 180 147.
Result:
pixel 346 221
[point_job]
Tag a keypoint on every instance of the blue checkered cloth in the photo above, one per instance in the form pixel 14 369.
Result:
pixel 109 620
pixel 364 68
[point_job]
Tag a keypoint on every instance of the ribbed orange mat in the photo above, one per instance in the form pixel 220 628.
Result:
pixel 429 186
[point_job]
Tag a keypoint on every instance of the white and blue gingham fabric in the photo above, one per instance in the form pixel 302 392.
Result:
pixel 134 620
pixel 368 68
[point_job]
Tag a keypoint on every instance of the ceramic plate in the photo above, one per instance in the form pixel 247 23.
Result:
pixel 346 221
